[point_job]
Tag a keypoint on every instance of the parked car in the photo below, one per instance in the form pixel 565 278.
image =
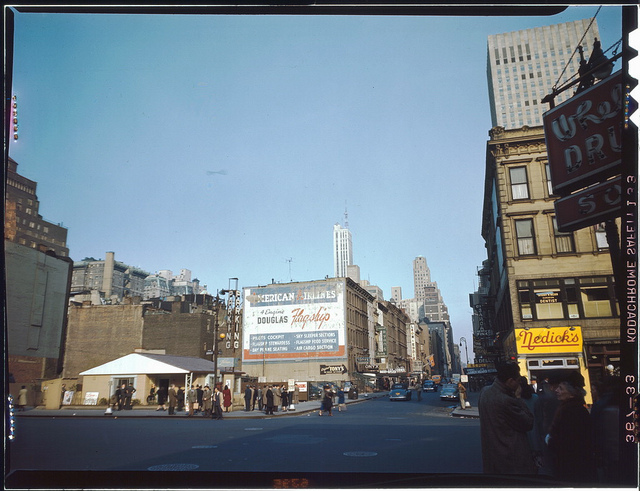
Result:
pixel 449 392
pixel 399 392
pixel 429 386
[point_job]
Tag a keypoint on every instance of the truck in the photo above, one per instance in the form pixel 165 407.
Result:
pixel 437 379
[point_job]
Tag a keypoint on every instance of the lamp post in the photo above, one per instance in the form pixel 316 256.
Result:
pixel 463 339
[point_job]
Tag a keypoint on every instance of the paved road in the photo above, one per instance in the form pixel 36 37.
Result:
pixel 399 441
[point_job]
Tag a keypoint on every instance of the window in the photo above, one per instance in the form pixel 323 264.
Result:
pixel 596 300
pixel 568 298
pixel 525 237
pixel 564 240
pixel 601 236
pixel 547 169
pixel 519 187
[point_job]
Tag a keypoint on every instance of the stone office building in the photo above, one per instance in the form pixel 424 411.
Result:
pixel 539 283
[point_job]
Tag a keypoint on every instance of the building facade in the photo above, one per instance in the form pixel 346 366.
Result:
pixel 113 279
pixel 23 223
pixel 342 251
pixel 523 67
pixel 547 297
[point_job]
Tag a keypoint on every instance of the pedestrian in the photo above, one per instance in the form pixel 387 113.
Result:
pixel 530 398
pixel 247 398
pixel 571 433
pixel 605 416
pixel 259 396
pixel 284 394
pixel 226 396
pixel 218 401
pixel 173 399
pixel 192 400
pixel 129 391
pixel 419 390
pixel 207 399
pixel 462 394
pixel 270 399
pixel 199 393
pixel 327 401
pixel 162 398
pixel 545 410
pixel 151 398
pixel 22 398
pixel 534 384
pixel 121 396
pixel 180 394
pixel 504 422
pixel 277 397
pixel 341 403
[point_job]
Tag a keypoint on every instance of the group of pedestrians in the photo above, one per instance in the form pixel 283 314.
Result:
pixel 546 429
pixel 123 397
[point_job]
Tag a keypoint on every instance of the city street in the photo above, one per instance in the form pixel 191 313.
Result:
pixel 376 436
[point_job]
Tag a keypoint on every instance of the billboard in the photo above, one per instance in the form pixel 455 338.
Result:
pixel 583 136
pixel 294 321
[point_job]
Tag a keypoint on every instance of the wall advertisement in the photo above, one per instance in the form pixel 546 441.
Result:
pixel 294 321
pixel 549 340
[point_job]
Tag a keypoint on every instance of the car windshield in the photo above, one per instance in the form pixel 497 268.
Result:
pixel 397 386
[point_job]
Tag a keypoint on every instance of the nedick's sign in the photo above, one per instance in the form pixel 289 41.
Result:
pixel 549 340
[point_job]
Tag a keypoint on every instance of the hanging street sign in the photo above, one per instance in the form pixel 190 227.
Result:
pixel 590 206
pixel 583 136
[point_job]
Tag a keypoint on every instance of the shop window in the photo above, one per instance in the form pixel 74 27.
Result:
pixel 525 237
pixel 519 186
pixel 548 304
pixel 563 240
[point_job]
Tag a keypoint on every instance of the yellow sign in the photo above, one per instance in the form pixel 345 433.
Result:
pixel 549 340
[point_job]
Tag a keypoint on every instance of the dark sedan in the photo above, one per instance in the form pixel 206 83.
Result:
pixel 429 386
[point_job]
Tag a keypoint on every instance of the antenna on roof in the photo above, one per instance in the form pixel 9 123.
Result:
pixel 346 215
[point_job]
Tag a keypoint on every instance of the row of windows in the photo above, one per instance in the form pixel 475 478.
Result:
pixel 563 241
pixel 567 298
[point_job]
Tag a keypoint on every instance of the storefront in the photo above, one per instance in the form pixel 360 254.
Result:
pixel 540 350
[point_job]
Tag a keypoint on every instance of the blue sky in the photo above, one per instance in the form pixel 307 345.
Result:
pixel 228 145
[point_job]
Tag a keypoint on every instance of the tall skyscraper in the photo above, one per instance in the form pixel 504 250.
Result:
pixel 342 250
pixel 421 277
pixel 524 66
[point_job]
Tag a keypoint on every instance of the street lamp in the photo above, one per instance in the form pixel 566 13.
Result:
pixel 463 339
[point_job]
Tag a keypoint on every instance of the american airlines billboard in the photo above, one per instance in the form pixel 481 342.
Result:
pixel 294 321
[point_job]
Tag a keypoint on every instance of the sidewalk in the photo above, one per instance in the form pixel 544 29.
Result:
pixel 150 412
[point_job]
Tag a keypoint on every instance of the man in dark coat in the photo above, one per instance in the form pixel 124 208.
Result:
pixel 504 423
pixel 269 396
pixel 247 398
pixel 128 394
pixel 173 399
pixel 121 396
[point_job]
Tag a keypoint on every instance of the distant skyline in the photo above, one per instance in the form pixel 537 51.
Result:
pixel 229 144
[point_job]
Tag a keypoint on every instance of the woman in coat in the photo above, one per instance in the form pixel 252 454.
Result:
pixel 569 437
pixel 327 401
pixel 226 394
pixel 284 394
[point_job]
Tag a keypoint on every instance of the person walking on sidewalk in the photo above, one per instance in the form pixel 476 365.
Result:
pixel 247 398
pixel 462 393
pixel 226 397
pixel 341 403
